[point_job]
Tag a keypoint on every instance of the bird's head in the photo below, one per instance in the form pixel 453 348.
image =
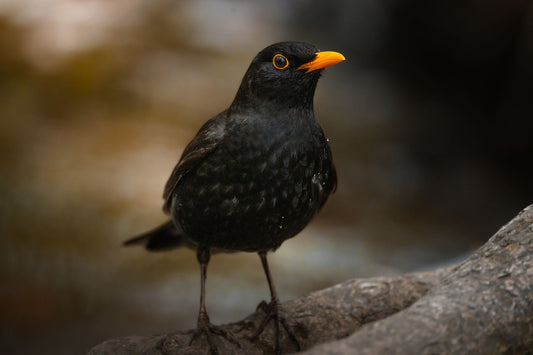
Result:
pixel 284 75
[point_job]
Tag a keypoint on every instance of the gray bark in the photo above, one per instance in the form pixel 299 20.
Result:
pixel 483 305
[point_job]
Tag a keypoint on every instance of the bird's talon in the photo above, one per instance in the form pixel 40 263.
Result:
pixel 290 332
pixel 263 306
pixel 209 330
pixel 274 311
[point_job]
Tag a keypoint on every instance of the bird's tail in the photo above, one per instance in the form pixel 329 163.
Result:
pixel 166 236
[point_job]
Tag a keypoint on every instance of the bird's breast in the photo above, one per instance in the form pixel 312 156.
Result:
pixel 257 189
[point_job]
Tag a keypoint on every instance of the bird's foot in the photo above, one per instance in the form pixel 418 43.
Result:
pixel 275 312
pixel 207 329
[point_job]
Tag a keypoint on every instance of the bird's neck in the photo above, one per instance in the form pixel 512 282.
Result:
pixel 252 96
pixel 271 110
pixel 245 102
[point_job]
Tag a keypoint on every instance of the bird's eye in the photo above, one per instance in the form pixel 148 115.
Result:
pixel 280 62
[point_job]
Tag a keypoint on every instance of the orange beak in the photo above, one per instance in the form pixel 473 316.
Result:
pixel 322 60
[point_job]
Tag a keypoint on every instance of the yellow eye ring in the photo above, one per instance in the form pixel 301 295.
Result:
pixel 280 62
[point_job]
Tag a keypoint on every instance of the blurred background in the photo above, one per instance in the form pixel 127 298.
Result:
pixel 430 120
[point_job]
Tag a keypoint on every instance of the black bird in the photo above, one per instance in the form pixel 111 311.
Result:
pixel 255 174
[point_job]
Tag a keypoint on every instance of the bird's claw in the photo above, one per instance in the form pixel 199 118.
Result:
pixel 263 306
pixel 274 312
pixel 206 328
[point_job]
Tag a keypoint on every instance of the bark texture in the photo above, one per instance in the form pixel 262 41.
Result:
pixel 483 305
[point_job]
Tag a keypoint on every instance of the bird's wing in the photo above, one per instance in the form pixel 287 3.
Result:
pixel 203 144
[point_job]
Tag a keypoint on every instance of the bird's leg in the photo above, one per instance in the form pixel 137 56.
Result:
pixel 274 311
pixel 204 326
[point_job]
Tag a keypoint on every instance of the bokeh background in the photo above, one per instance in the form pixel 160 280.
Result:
pixel 430 121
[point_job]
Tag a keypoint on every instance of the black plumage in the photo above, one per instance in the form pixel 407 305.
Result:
pixel 255 174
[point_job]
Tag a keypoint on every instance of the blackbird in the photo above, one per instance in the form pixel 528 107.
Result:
pixel 254 175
